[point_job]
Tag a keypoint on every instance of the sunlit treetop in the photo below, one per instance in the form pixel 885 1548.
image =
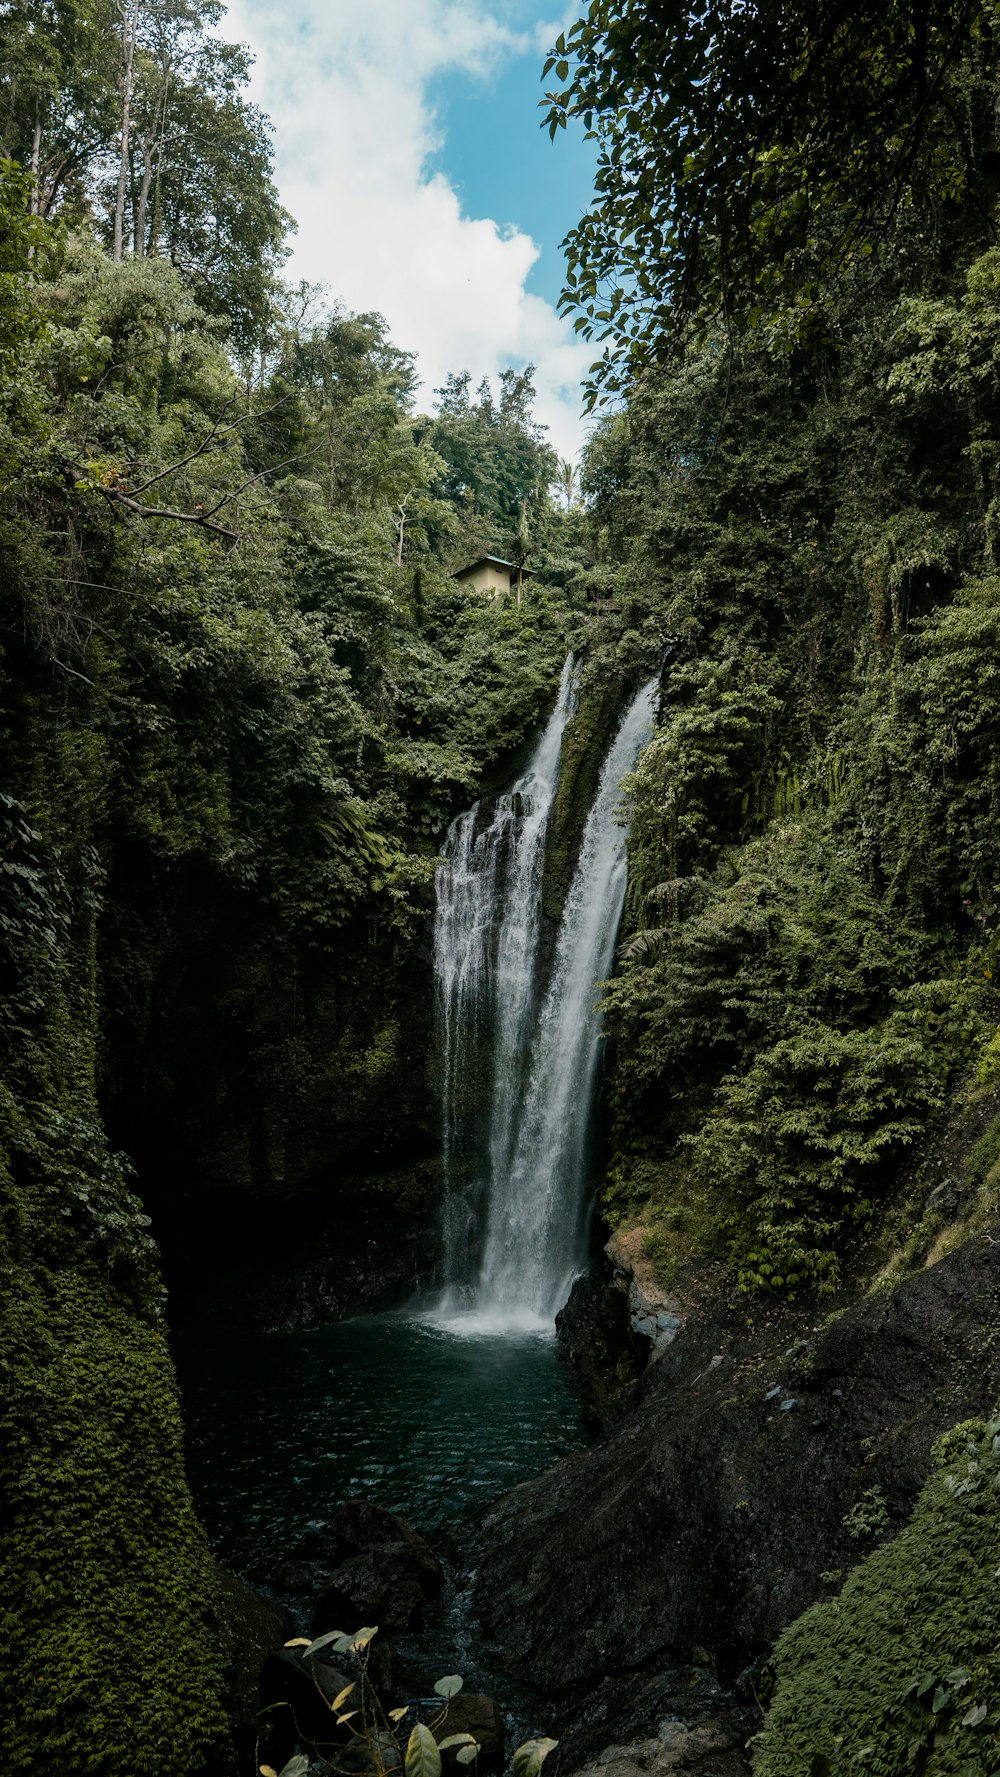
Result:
pixel 751 150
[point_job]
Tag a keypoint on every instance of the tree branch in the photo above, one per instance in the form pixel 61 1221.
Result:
pixel 116 497
pixel 182 462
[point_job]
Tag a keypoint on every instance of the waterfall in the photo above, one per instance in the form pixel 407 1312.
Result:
pixel 529 1198
pixel 486 932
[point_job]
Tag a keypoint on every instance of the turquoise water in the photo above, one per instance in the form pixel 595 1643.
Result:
pixel 418 1417
pixel 429 1421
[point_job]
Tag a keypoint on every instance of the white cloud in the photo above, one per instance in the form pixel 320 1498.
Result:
pixel 345 83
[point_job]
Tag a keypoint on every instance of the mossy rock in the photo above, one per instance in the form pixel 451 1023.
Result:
pixel 901 1672
pixel 112 1641
pixel 586 739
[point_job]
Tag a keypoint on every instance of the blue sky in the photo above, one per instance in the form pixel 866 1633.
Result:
pixel 503 164
pixel 408 148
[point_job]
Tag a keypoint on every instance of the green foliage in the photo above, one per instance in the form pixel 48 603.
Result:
pixel 750 156
pixel 377 1735
pixel 900 1672
pixel 495 468
pixel 800 1141
pixel 109 1613
pixel 810 948
pixel 868 1516
pixel 585 742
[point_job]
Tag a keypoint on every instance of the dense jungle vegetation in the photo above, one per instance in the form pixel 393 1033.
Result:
pixel 792 262
pixel 241 696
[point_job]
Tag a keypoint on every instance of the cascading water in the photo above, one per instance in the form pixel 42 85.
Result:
pixel 530 1196
pixel 486 931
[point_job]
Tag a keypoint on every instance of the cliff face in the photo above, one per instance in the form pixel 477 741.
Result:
pixel 770 1452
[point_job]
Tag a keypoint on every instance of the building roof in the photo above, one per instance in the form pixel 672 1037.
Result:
pixel 484 561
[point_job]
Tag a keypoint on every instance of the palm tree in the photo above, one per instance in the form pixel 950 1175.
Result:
pixel 568 483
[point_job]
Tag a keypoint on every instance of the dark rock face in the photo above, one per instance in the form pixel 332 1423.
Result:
pixel 358 1759
pixel 706 1749
pixel 385 1571
pixel 707 1521
pixel 361 1527
pixel 596 1338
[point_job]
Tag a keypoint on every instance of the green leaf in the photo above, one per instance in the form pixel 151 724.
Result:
pixel 313 1647
pixel 449 1686
pixel 457 1740
pixel 468 1753
pixel 528 1758
pixel 422 1756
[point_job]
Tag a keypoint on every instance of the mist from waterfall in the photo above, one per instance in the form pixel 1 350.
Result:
pixel 516 1217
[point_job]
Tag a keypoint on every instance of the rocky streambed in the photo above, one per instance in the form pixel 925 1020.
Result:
pixel 641 1584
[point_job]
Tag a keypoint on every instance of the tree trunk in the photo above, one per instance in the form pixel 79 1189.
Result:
pixel 36 158
pixel 128 10
pixel 400 531
pixel 161 148
pixel 142 204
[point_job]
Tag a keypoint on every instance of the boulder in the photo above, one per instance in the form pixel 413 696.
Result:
pixel 380 1587
pixel 358 1759
pixel 595 1336
pixel 296 1695
pixel 478 1716
pixel 704 1749
pixel 359 1527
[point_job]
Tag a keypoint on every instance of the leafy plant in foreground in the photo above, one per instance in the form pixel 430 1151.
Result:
pixel 358 1708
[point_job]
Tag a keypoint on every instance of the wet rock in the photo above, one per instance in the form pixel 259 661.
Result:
pixel 292 1578
pixel 358 1527
pixel 480 1717
pixel 296 1695
pixel 358 1759
pixel 701 1520
pixel 379 1587
pixel 705 1749
pixel 653 1312
pixel 386 1569
pixel 595 1336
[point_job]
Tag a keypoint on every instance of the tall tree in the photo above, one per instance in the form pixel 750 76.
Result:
pixel 750 150
pixel 58 93
pixel 497 461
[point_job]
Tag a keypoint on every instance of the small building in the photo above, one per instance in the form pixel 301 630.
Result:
pixel 492 575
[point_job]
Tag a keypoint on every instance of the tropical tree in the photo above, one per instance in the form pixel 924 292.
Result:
pixel 752 150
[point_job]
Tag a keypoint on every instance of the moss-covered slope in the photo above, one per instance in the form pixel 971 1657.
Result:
pixel 901 1672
